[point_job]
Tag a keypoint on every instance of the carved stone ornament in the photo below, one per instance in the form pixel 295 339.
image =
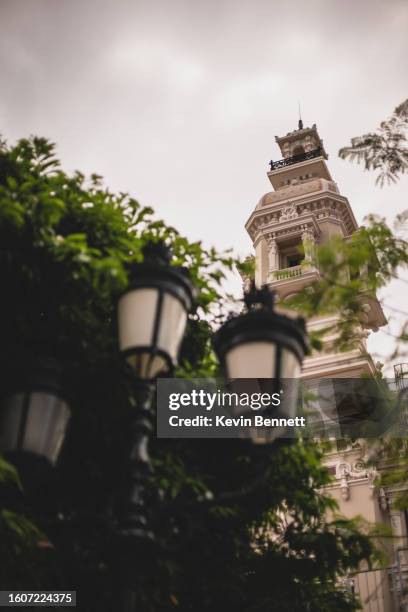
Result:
pixel 344 489
pixel 288 213
pixel 382 500
pixel 273 247
pixel 344 470
pixel 308 235
pixel 359 466
pixel 345 473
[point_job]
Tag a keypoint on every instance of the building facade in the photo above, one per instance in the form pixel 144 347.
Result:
pixel 303 210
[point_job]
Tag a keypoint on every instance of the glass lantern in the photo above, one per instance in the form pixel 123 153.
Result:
pixel 152 314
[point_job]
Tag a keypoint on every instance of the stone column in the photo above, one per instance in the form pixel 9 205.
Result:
pixel 398 533
pixel 261 260
pixel 309 246
pixel 344 489
pixel 273 255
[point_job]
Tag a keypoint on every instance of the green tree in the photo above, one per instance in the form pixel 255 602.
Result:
pixel 222 541
pixel 352 270
pixel 385 150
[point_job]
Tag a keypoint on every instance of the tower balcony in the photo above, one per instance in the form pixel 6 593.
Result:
pixel 295 159
pixel 288 281
pixel 304 164
pixel 292 272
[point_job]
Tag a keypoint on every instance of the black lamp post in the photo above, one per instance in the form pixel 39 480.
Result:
pixel 152 316
pixel 264 345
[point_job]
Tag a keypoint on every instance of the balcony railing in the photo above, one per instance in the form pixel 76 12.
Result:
pixel 288 272
pixel 288 161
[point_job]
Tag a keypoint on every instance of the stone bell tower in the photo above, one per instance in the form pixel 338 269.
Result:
pixel 306 209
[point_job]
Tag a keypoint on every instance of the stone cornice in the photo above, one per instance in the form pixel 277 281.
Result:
pixel 333 364
pixel 291 227
pixel 311 187
pixel 331 206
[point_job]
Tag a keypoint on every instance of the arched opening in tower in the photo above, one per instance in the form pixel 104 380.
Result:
pixel 299 150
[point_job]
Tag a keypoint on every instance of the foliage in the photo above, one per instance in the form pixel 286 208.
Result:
pixel 77 237
pixel 246 267
pixel 385 150
pixel 66 242
pixel 351 272
pixel 392 452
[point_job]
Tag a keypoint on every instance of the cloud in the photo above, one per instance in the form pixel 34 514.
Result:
pixel 179 102
pixel 240 99
pixel 152 59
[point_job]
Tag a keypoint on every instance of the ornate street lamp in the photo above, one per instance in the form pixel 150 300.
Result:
pixel 152 313
pixel 152 316
pixel 34 411
pixel 264 345
pixel 261 343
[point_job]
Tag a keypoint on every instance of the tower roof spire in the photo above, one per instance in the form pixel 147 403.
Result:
pixel 300 122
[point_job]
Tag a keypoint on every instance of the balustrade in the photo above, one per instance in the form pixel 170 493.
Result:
pixel 288 161
pixel 288 272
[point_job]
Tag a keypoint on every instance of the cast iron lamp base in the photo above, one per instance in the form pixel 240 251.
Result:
pixel 133 523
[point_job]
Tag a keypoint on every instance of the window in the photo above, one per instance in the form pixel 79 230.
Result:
pixel 294 260
pixel 342 444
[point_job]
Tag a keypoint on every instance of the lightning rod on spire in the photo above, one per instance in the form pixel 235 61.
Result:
pixel 300 123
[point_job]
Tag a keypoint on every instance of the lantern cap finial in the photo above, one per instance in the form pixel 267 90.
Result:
pixel 261 298
pixel 157 252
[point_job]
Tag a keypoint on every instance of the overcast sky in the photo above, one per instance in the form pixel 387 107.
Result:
pixel 178 102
